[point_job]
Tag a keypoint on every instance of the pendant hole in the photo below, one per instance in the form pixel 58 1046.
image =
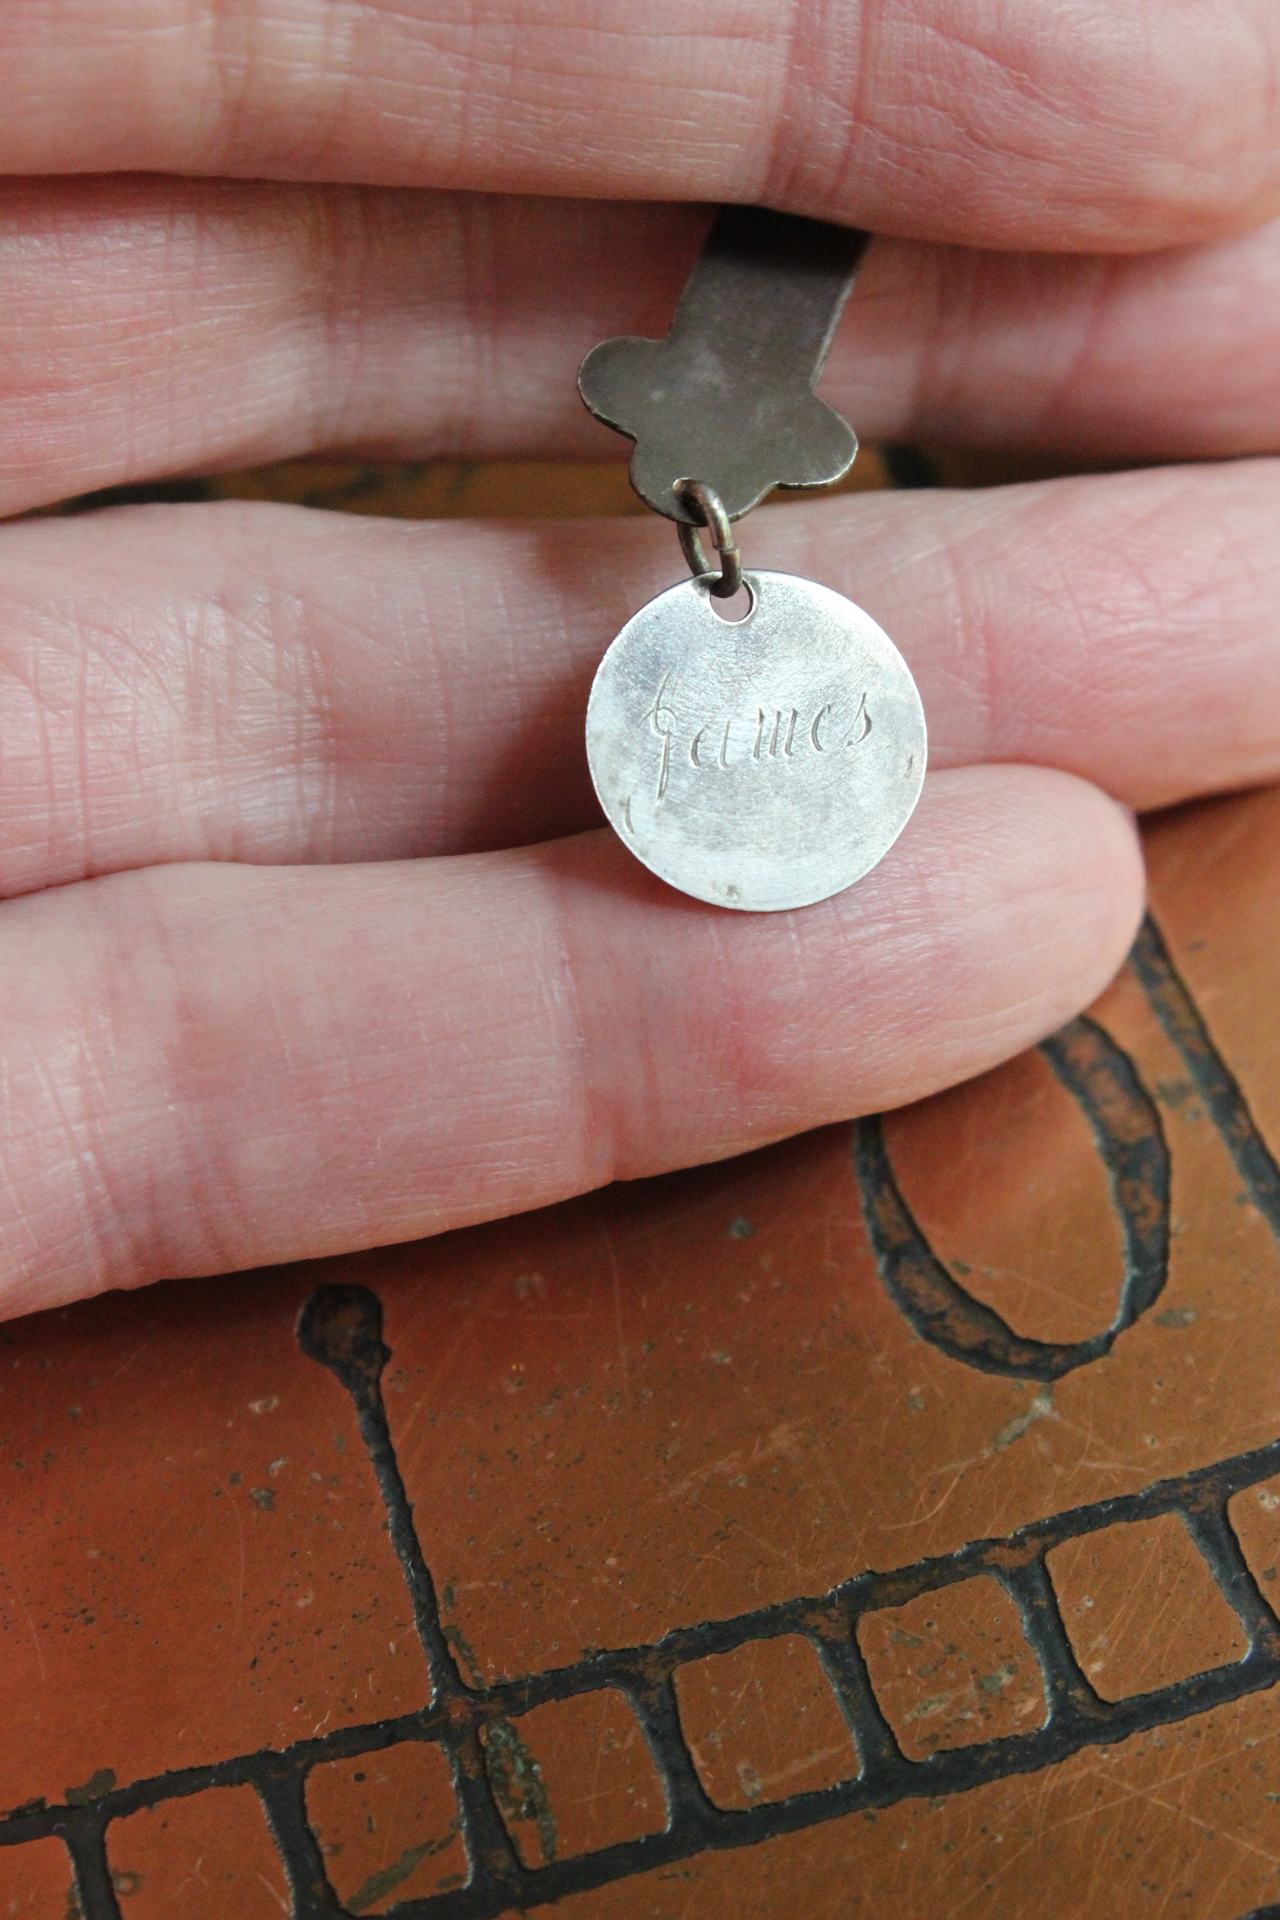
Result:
pixel 736 608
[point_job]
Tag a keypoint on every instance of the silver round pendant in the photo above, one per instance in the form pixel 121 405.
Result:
pixel 762 763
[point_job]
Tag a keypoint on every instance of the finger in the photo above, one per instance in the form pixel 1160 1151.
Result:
pixel 159 326
pixel 1139 123
pixel 208 1068
pixel 264 684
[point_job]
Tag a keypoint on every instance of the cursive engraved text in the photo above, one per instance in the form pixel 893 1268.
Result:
pixel 776 733
pixel 663 721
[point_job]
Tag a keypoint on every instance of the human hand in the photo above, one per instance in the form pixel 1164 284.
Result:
pixel 243 1017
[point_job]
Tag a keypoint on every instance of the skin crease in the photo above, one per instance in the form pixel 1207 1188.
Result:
pixel 197 1051
pixel 943 119
pixel 156 327
pixel 241 1019
pixel 256 683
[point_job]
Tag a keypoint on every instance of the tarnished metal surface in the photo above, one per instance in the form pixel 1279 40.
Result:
pixel 727 398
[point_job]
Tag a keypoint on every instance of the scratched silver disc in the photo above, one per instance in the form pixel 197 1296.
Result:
pixel 760 764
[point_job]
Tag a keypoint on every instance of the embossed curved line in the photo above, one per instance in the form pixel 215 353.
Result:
pixel 1129 1136
pixel 1214 1081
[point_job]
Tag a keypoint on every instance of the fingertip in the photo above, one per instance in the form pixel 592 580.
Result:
pixel 1007 905
pixel 1045 891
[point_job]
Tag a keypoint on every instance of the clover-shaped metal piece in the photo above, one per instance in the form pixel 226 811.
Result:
pixel 727 398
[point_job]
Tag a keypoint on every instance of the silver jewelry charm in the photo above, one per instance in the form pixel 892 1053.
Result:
pixel 763 763
pixel 768 761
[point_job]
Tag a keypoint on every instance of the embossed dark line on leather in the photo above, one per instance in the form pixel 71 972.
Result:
pixel 1129 1135
pixel 843 1663
pixel 341 1329
pixel 1214 1081
pixel 1077 1718
pixel 85 1840
pixel 1072 1701
pixel 1210 1528
pixel 282 1789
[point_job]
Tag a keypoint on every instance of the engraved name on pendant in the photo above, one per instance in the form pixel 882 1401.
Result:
pixel 762 763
